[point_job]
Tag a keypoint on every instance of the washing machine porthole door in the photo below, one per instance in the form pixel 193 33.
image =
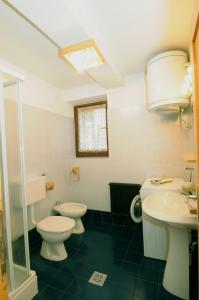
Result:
pixel 136 209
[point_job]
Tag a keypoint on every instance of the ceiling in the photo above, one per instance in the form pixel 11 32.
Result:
pixel 128 33
pixel 21 44
pixel 132 31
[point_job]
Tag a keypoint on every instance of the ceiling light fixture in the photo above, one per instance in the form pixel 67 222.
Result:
pixel 83 56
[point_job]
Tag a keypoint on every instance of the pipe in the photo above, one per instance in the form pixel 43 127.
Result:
pixel 32 215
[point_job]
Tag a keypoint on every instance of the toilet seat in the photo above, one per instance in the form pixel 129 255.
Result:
pixel 56 224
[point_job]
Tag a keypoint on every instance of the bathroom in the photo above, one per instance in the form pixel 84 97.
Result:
pixel 40 90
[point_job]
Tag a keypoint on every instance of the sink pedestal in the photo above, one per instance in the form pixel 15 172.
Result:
pixel 176 275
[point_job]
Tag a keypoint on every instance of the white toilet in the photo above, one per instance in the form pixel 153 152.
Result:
pixel 75 211
pixel 53 229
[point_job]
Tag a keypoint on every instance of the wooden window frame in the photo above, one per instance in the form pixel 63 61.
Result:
pixel 89 153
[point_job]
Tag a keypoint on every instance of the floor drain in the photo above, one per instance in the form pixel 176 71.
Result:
pixel 98 278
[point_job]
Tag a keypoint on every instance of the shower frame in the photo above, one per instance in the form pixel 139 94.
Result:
pixel 28 288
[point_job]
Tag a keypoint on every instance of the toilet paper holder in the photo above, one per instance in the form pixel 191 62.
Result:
pixel 75 173
pixel 50 186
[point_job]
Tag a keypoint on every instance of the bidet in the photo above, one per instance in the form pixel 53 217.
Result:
pixel 75 211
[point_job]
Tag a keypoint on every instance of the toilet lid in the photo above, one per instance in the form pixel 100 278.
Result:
pixel 56 224
pixel 72 206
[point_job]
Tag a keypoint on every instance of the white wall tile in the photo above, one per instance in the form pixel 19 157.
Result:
pixel 141 144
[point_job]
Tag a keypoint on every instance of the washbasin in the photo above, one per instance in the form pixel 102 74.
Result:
pixel 173 210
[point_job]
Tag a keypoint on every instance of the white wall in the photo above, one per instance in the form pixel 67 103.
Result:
pixel 38 93
pixel 47 147
pixel 141 144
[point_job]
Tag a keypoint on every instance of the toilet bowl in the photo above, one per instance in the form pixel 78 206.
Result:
pixel 74 211
pixel 54 230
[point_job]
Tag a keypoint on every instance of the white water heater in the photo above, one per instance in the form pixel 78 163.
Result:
pixel 165 81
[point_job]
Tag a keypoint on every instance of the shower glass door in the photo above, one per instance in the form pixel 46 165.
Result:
pixel 13 182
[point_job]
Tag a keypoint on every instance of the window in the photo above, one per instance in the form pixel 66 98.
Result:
pixel 91 129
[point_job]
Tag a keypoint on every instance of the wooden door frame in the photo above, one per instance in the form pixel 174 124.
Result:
pixel 195 61
pixel 196 100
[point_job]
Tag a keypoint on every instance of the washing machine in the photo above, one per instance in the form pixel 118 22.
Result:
pixel 154 232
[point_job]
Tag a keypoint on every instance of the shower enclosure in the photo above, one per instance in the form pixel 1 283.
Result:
pixel 17 281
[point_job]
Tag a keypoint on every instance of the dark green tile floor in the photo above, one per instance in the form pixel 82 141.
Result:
pixel 116 250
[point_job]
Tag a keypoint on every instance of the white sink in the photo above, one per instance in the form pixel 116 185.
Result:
pixel 173 209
